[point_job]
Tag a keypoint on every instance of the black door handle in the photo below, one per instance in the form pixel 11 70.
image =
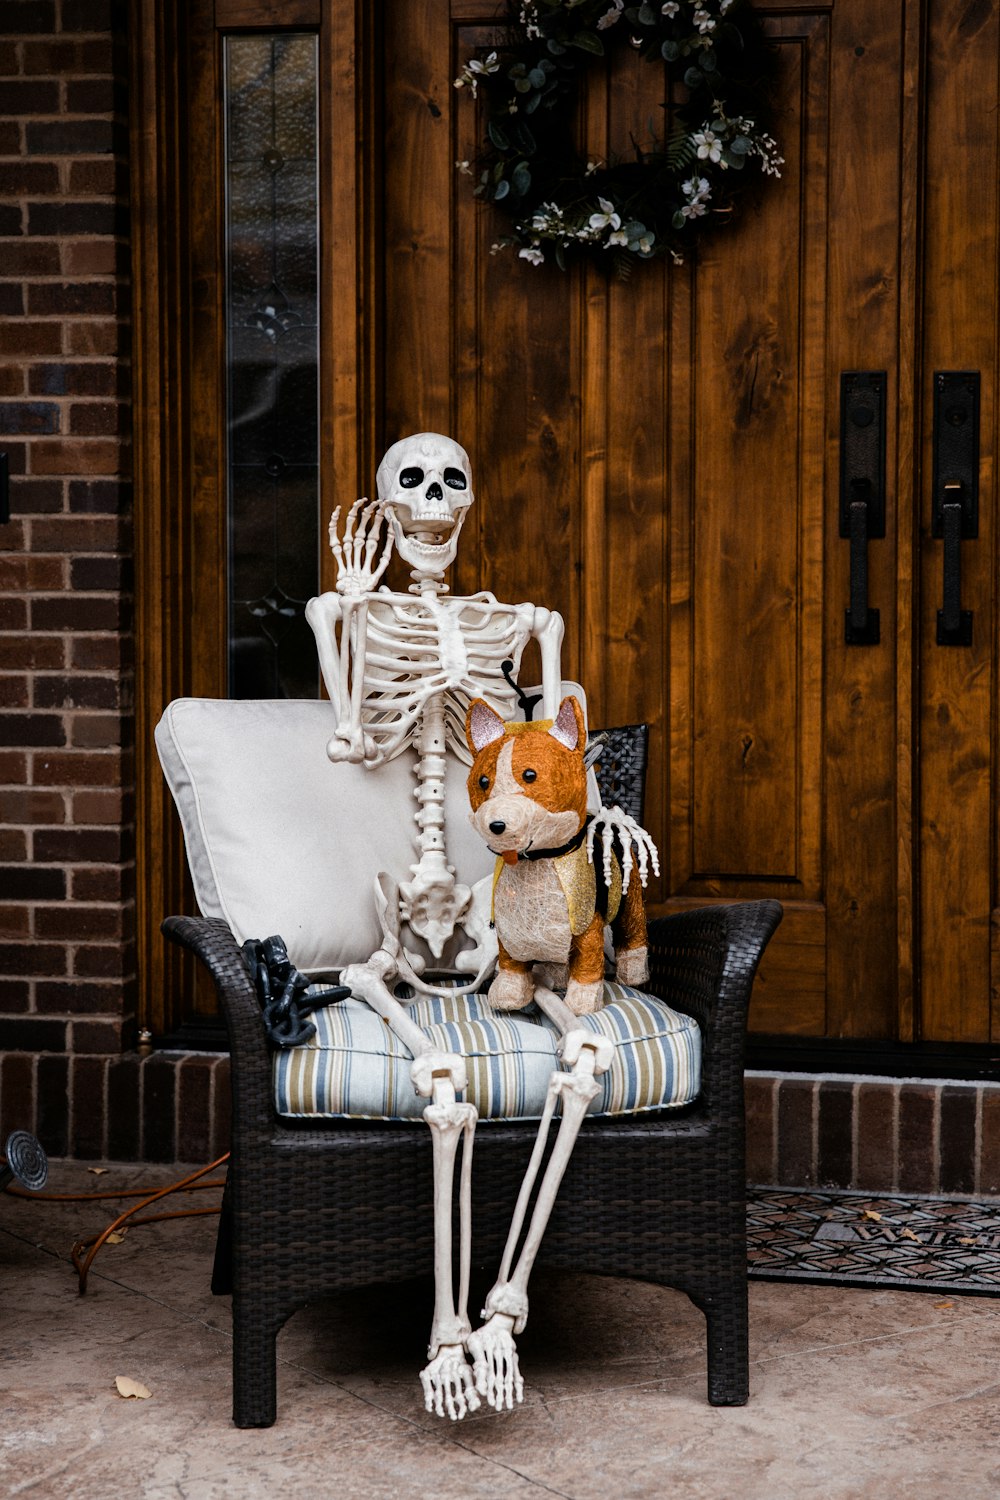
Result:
pixel 862 491
pixel 955 511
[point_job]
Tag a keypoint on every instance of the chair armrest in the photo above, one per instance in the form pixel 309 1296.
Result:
pixel 703 962
pixel 211 941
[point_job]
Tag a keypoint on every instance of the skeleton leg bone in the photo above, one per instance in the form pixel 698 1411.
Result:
pixel 492 1347
pixel 447 1380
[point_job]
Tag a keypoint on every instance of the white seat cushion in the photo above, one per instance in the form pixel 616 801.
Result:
pixel 354 1065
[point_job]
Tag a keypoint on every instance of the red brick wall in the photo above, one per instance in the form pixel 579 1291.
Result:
pixel 67 957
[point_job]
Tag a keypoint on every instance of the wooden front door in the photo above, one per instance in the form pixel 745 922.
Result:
pixel 661 461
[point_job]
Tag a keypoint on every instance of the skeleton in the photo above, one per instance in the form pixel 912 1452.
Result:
pixel 401 670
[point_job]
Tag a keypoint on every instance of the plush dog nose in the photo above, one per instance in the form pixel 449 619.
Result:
pixel 497 826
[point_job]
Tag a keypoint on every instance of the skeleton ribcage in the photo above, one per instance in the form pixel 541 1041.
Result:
pixel 422 648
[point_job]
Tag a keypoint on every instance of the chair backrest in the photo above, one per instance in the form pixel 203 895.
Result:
pixel 279 839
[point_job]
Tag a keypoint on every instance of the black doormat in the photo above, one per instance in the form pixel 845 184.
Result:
pixel 850 1239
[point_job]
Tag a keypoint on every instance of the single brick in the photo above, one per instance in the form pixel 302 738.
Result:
pixel 957 1173
pixel 13 616
pixel 104 336
pixel 107 884
pixel 32 958
pixel 10 137
pixel 159 1108
pixel 48 298
pixel 65 58
pixel 28 417
pixel 30 883
pixel 15 921
pixel 760 1117
pixel 34 573
pixel 102 257
pixel 73 218
pixel 95 96
pixel 11 219
pixel 52 1113
pixel 80 456
pixel 109 653
pixel 876 1118
pixel 13 767
pixel 194 1108
pixel 106 809
pixel 30 338
pixel 88 1085
pixel 12 381
pixel 17 1093
pixel 100 496
pixel 99 418
pixel 87 613
pixel 23 17
pixel 78 768
pixel 11 299
pixel 796 1163
pixel 30 805
pixel 30 1035
pixel 104 575
pixel 90 15
pixel 103 175
pixel 70 137
pixel 104 961
pixel 74 997
pixel 97 731
pixel 19 178
pixel 14 691
pixel 15 996
pixel 13 846
pixel 76 692
pixel 917 1163
pixel 30 258
pixel 31 729
pixel 28 96
pixel 79 845
pixel 75 923
pixel 97 1037
pixel 835 1133
pixel 38 497
pixel 76 534
pixel 124 1135
pixel 89 379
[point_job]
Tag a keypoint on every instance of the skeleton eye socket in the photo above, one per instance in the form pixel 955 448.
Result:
pixel 529 775
pixel 484 782
pixel 410 478
pixel 455 479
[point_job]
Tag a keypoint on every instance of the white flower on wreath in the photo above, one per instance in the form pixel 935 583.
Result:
pixel 708 144
pixel 617 237
pixel 532 254
pixel 607 218
pixel 703 21
pixel 611 16
pixel 476 69
pixel 670 9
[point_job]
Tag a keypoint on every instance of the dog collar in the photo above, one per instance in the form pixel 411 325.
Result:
pixel 574 843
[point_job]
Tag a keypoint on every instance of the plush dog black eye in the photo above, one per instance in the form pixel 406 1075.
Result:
pixel 529 775
pixel 484 782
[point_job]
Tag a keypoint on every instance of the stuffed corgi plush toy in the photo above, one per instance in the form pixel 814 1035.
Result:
pixel 528 789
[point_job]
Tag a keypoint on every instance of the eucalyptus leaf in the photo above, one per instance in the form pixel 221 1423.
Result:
pixel 678 220
pixel 501 190
pixel 736 162
pixel 499 137
pixel 707 61
pixel 537 78
pixel 694 78
pixel 532 104
pixel 740 146
pixel 646 16
pixel 671 51
pixel 520 180
pixel 556 48
pixel 588 42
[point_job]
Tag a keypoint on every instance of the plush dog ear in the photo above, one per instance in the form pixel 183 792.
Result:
pixel 482 725
pixel 568 728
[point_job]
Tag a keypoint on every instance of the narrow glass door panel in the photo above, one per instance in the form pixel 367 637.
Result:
pixel 272 341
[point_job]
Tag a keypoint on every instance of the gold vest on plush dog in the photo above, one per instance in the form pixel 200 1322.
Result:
pixel 528 789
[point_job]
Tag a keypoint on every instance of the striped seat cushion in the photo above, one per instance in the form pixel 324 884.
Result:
pixel 355 1067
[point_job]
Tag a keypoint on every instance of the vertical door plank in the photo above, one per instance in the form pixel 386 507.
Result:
pixel 957 721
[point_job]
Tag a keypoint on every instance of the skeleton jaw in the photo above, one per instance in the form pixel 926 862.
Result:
pixel 426 535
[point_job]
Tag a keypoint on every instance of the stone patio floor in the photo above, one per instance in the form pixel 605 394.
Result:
pixel 854 1393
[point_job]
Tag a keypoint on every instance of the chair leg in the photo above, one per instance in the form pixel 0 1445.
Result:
pixel 728 1345
pixel 222 1268
pixel 255 1372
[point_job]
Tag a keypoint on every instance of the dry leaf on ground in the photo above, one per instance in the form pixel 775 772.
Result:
pixel 98 1171
pixel 969 1240
pixel 869 1213
pixel 907 1234
pixel 130 1388
pixel 116 1236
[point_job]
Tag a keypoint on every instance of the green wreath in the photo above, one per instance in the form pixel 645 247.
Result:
pixel 684 180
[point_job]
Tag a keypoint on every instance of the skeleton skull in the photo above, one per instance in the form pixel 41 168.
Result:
pixel 425 485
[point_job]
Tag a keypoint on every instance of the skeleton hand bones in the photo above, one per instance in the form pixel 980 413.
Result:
pixel 611 822
pixel 354 555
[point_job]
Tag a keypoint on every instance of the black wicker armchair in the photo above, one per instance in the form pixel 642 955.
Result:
pixel 313 1210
